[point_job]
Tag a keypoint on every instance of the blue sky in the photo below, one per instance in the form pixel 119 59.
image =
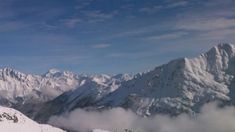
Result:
pixel 109 36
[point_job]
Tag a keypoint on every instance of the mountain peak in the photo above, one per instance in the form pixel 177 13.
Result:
pixel 10 72
pixel 8 69
pixel 53 71
pixel 225 45
pixel 58 73
pixel 123 77
pixel 222 49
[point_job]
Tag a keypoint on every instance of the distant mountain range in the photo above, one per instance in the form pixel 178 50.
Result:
pixel 182 85
pixel 28 93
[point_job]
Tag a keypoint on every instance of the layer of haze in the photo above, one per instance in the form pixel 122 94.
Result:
pixel 211 119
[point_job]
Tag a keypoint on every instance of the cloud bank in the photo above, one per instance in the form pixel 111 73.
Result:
pixel 211 119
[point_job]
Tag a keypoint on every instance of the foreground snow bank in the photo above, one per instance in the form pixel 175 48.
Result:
pixel 12 120
pixel 99 130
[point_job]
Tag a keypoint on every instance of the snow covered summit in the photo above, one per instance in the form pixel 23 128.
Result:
pixel 182 85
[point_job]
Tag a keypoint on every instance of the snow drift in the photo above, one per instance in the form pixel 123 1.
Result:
pixel 12 121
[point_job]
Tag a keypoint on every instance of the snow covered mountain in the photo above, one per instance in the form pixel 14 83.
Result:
pixel 12 121
pixel 182 85
pixel 91 90
pixel 27 93
pixel 17 87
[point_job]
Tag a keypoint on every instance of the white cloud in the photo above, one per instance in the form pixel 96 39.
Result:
pixel 167 36
pixel 98 16
pixel 211 28
pixel 204 24
pixel 177 4
pixel 169 5
pixel 71 23
pixel 219 34
pixel 152 9
pixel 13 26
pixel 211 119
pixel 101 46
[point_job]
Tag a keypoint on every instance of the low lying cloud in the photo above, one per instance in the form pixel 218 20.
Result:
pixel 211 119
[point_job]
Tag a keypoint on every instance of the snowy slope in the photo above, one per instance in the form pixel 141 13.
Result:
pixel 12 121
pixel 98 130
pixel 92 89
pixel 182 85
pixel 17 87
pixel 27 92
